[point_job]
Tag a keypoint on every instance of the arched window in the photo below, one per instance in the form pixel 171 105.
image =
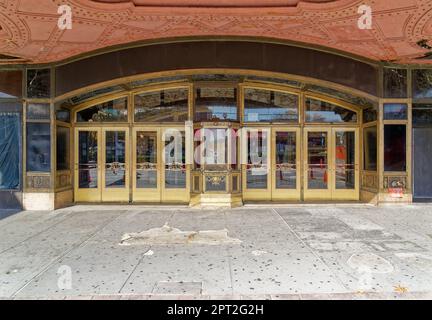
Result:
pixel 110 111
pixel 262 105
pixel 323 111
pixel 168 105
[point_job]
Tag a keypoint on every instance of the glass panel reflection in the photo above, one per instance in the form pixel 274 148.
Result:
pixel 115 159
pixel 317 160
pixel 216 104
pixel 322 111
pixel 146 159
pixel 285 150
pixel 175 159
pixel 394 147
pixel 395 111
pixel 87 160
pixel 256 170
pixel 162 106
pixel 269 106
pixel 110 111
pixel 345 160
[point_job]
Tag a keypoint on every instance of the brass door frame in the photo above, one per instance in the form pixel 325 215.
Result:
pixel 346 194
pixel 331 193
pixel 286 194
pixel 146 194
pixel 175 195
pixel 115 194
pixel 88 194
pixel 256 194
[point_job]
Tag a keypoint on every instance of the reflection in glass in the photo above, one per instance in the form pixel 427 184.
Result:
pixel 146 159
pixel 369 115
pixel 110 111
pixel 63 159
pixel 422 114
pixel 395 111
pixel 175 160
pixel 257 153
pixel 38 111
pixel 285 154
pixel 87 159
pixel 216 104
pixel 422 83
pixel 270 106
pixel 317 160
pixel 345 160
pixel 370 148
pixel 321 111
pixel 161 106
pixel 38 147
pixel 394 147
pixel 215 148
pixel 38 83
pixel 395 83
pixel 115 159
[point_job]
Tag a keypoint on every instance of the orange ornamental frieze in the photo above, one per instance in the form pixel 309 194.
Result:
pixel 401 31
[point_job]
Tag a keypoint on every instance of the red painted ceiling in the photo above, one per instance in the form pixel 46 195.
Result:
pixel 28 28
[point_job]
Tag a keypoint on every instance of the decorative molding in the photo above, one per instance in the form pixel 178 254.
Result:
pixel 38 182
pixel 28 29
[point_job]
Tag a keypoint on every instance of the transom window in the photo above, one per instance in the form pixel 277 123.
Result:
pixel 261 105
pixel 322 111
pixel 215 104
pixel 110 111
pixel 162 106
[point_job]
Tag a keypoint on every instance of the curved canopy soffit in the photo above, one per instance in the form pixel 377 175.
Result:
pixel 29 29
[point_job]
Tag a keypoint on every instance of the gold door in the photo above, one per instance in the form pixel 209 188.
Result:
pixel 88 165
pixel 316 165
pixel 285 164
pixel 256 164
pixel 146 178
pixel 175 171
pixel 331 170
pixel 115 164
pixel 345 167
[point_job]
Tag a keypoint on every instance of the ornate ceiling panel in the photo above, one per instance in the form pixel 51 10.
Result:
pixel 29 30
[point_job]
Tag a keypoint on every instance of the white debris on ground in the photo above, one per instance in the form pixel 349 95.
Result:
pixel 169 235
pixel 258 252
pixel 149 253
pixel 370 262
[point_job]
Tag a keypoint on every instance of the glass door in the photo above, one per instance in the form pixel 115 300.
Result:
pixel 175 173
pixel 285 164
pixel 87 165
pixel 345 180
pixel 256 164
pixel 115 173
pixel 317 160
pixel 146 176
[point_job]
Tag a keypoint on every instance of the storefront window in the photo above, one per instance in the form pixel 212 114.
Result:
pixel 169 105
pixel 63 159
pixel 38 111
pixel 38 83
pixel 422 114
pixel 38 147
pixel 270 106
pixel 394 147
pixel 422 83
pixel 9 150
pixel 322 111
pixel 216 104
pixel 110 111
pixel 395 111
pixel 370 148
pixel 395 83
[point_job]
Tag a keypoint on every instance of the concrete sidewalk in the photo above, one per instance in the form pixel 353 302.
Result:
pixel 286 252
